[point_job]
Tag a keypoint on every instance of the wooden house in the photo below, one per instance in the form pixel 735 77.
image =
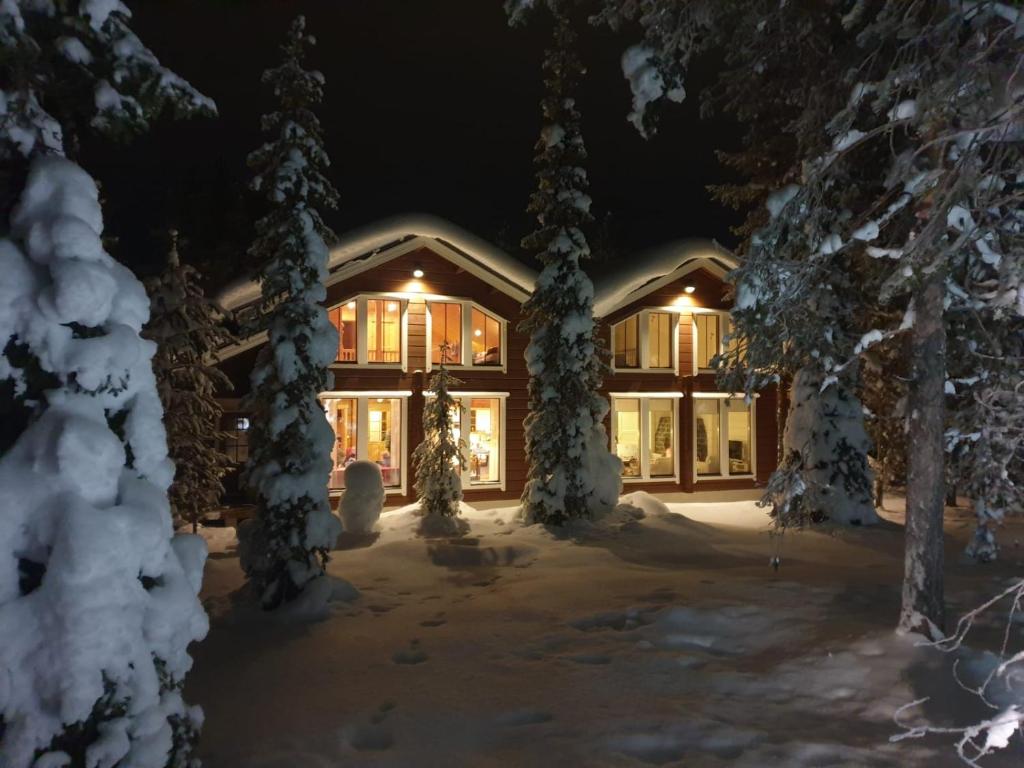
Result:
pixel 401 290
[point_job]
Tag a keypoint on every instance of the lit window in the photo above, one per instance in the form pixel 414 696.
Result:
pixel 708 436
pixel 344 319
pixel 484 440
pixel 366 428
pixel 659 340
pixel 644 436
pixel 486 332
pixel 383 331
pixel 627 435
pixel 709 336
pixel 739 438
pixel 723 437
pixel 479 426
pixel 446 328
pixel 343 416
pixel 661 437
pixel 369 330
pixel 644 341
pixel 627 343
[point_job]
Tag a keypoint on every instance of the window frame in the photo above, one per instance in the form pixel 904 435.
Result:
pixel 724 328
pixel 362 399
pixel 466 349
pixel 362 329
pixel 723 429
pixel 464 397
pixel 643 318
pixel 644 399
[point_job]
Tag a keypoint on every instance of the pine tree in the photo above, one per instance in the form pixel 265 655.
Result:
pixel 439 458
pixel 290 451
pixel 571 473
pixel 98 600
pixel 188 328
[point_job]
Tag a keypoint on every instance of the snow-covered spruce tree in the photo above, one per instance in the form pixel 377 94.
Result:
pixel 187 329
pixel 439 458
pixel 571 473
pixel 287 545
pixel 98 599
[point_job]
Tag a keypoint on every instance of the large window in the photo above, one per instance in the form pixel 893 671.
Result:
pixel 644 436
pixel 367 427
pixel 478 420
pixel 723 436
pixel 645 341
pixel 710 330
pixel 383 331
pixel 626 343
pixel 452 322
pixel 445 333
pixel 370 330
pixel 486 338
pixel 344 319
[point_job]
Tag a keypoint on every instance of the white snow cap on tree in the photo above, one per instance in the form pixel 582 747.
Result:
pixel 97 603
pixel 566 442
pixel 290 443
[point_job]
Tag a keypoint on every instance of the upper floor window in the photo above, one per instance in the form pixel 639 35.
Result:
pixel 469 335
pixel 645 341
pixel 370 330
pixel 711 336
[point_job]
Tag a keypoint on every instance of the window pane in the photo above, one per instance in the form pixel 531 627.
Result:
pixel 383 438
pixel 236 440
pixel 342 415
pixel 344 319
pixel 486 338
pixel 484 439
pixel 740 445
pixel 661 437
pixel 383 331
pixel 707 436
pixel 627 343
pixel 707 339
pixel 659 340
pixel 626 412
pixel 446 327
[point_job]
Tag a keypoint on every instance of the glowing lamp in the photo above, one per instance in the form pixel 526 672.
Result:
pixel 417 271
pixel 689 289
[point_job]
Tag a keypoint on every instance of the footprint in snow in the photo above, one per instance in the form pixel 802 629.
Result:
pixel 370 738
pixel 411 655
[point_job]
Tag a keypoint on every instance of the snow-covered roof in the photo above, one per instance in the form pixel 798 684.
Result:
pixel 649 270
pixel 366 243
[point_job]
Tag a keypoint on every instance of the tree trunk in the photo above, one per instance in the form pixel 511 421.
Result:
pixel 923 608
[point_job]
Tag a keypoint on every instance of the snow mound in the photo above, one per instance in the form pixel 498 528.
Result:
pixel 363 499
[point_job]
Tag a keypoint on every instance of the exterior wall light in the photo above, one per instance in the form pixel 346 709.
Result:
pixel 417 271
pixel 690 289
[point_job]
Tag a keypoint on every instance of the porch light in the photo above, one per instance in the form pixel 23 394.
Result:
pixel 417 271
pixel 689 289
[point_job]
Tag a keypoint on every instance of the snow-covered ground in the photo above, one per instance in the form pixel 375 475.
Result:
pixel 660 636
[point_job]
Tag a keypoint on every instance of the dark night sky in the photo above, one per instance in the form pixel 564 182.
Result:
pixel 430 106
